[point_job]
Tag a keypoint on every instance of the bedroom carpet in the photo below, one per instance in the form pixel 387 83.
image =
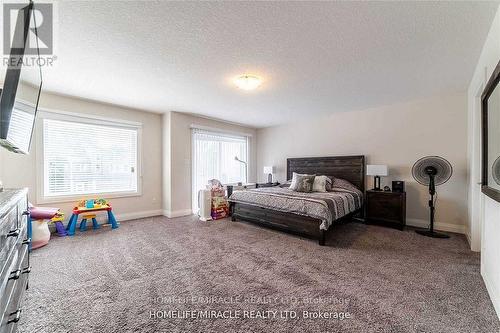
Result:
pixel 367 279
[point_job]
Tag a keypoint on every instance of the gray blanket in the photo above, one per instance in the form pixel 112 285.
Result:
pixel 326 206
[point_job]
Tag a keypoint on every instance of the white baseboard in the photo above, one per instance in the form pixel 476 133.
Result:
pixel 459 229
pixel 138 215
pixel 492 291
pixel 467 235
pixel 118 217
pixel 177 213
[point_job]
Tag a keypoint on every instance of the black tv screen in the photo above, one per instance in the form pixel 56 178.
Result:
pixel 21 87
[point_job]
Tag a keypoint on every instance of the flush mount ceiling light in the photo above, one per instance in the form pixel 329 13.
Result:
pixel 248 82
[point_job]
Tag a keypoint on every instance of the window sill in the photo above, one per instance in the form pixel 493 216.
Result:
pixel 75 198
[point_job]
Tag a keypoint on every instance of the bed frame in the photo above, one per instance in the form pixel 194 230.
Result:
pixel 351 168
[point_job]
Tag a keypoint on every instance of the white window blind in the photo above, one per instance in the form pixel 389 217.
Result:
pixel 214 158
pixel 86 158
pixel 21 125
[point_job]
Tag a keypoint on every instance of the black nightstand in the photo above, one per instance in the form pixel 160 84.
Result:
pixel 386 208
pixel 267 184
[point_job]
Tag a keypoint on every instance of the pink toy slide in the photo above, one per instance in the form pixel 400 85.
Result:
pixel 43 213
pixel 40 234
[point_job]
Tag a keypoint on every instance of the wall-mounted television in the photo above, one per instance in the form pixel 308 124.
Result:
pixel 22 85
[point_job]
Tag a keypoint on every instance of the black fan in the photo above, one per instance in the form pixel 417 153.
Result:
pixel 432 171
pixel 495 170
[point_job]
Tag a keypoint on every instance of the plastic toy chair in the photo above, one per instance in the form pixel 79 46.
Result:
pixel 83 223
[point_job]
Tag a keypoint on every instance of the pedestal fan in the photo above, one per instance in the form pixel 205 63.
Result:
pixel 432 171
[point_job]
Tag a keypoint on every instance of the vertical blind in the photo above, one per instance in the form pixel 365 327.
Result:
pixel 213 158
pixel 85 158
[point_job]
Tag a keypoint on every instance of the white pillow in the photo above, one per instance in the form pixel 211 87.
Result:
pixel 320 184
pixel 293 184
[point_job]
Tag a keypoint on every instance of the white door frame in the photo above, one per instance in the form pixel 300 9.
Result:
pixel 476 199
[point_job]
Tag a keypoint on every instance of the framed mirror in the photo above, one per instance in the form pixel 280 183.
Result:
pixel 490 103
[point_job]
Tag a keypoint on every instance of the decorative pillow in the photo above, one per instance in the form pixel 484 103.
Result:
pixel 343 184
pixel 305 183
pixel 293 182
pixel 302 183
pixel 329 183
pixel 320 183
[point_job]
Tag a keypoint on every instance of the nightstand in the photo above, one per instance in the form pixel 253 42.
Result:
pixel 386 208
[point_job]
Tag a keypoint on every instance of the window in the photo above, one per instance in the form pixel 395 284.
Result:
pixel 214 158
pixel 87 156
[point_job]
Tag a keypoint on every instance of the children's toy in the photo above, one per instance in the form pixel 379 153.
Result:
pixel 220 207
pixel 58 223
pixel 38 229
pixel 90 206
pixel 41 234
pixel 83 223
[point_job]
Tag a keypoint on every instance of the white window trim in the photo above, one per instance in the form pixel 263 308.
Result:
pixel 219 130
pixel 214 130
pixel 88 119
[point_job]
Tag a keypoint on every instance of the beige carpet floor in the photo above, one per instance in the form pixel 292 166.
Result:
pixel 252 279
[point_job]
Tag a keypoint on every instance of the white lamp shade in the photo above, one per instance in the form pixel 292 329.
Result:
pixel 268 170
pixel 376 170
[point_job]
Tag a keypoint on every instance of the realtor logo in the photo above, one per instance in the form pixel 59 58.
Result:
pixel 41 25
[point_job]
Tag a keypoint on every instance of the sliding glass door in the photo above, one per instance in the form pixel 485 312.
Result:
pixel 214 157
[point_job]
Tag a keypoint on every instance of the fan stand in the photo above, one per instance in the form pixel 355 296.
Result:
pixel 432 192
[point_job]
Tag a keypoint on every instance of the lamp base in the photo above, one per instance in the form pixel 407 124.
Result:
pixel 432 234
pixel 376 183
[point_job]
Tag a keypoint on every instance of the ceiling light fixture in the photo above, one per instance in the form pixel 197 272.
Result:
pixel 248 82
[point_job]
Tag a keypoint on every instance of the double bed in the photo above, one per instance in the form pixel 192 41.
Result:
pixel 309 214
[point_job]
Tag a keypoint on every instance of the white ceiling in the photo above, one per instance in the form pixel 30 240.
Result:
pixel 315 58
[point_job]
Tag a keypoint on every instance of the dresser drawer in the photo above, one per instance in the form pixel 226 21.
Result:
pixel 22 211
pixel 388 209
pixel 6 283
pixel 14 256
pixel 9 234
pixel 13 285
pixel 14 294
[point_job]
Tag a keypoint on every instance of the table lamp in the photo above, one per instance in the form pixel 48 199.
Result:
pixel 376 171
pixel 269 170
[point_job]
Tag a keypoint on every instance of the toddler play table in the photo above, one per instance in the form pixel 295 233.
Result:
pixel 96 208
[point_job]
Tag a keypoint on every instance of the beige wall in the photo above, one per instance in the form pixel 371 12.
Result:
pixel 179 125
pixel 395 135
pixel 166 145
pixel 484 224
pixel 21 170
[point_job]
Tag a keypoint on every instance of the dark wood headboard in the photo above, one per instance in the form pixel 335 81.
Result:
pixel 350 168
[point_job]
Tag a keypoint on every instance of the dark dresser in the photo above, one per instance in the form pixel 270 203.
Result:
pixel 14 256
pixel 386 208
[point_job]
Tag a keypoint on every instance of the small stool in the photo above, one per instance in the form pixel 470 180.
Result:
pixel 83 223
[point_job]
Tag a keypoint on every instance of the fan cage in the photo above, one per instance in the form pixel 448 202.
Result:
pixel 443 167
